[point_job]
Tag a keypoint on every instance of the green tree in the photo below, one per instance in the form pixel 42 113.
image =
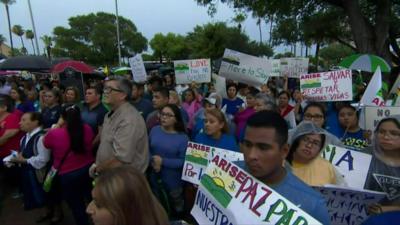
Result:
pixel 6 4
pixel 19 31
pixel 170 47
pixel 48 43
pixel 92 38
pixel 332 54
pixel 2 40
pixel 30 36
pixel 373 26
pixel 210 41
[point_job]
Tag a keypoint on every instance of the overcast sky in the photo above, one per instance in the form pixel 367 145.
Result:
pixel 149 16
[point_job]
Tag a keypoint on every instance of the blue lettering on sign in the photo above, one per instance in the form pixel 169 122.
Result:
pixel 348 158
pixel 211 211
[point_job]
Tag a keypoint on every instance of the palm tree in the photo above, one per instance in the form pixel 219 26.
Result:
pixel 17 30
pixel 47 40
pixel 30 35
pixel 239 18
pixel 6 4
pixel 2 40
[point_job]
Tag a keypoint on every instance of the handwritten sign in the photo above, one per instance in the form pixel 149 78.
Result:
pixel 137 66
pixel 239 198
pixel 196 70
pixel 245 68
pixel 352 164
pixel 375 114
pixel 348 206
pixel 220 85
pixel 294 67
pixel 198 157
pixel 327 86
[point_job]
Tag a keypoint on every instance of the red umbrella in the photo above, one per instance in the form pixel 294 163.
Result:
pixel 75 65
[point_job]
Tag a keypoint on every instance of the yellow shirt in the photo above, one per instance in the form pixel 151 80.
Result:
pixel 316 173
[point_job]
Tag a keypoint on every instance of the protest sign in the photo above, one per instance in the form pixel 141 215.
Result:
pixel 198 157
pixel 245 68
pixel 195 70
pixel 348 206
pixel 275 67
pixel 352 164
pixel 229 195
pixel 138 71
pixel 293 67
pixel 219 85
pixel 374 114
pixel 327 86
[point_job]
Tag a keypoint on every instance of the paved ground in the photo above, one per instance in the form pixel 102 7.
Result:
pixel 13 213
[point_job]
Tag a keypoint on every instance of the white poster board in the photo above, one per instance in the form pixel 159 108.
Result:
pixel 138 71
pixel 348 206
pixel 375 114
pixel 327 86
pixel 353 165
pixel 245 68
pixel 294 67
pixel 194 70
pixel 228 194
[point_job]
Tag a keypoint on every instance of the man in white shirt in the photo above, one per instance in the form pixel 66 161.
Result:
pixel 33 158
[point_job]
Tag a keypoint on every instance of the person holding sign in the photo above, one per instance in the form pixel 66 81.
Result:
pixel 384 172
pixel 168 144
pixel 304 156
pixel 216 132
pixel 351 134
pixel 232 103
pixel 265 149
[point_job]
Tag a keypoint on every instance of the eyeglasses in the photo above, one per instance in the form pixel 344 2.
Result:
pixel 168 115
pixel 309 116
pixel 391 134
pixel 108 90
pixel 313 143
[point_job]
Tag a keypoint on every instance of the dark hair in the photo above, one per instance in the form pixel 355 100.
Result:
pixel 319 106
pixel 390 119
pixel 76 92
pixel 163 91
pixel 56 94
pixel 186 91
pixel 179 125
pixel 348 106
pixel 21 93
pixel 7 101
pixel 36 116
pixel 296 144
pixel 284 93
pixel 155 80
pixel 270 119
pixel 97 89
pixel 71 114
pixel 138 85
pixel 231 85
pixel 253 92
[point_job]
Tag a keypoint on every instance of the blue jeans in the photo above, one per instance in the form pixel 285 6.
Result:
pixel 76 187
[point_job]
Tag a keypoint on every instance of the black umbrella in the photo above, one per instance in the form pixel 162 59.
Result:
pixel 29 63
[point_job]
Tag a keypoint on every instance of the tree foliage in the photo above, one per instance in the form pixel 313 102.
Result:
pixel 170 47
pixel 332 54
pixel 369 26
pixel 92 38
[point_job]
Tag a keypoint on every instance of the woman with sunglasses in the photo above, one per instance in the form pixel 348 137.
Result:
pixel 168 143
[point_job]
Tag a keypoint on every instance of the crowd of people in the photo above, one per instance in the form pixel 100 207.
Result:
pixel 115 153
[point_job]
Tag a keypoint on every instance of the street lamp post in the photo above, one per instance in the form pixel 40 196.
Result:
pixel 118 38
pixel 33 27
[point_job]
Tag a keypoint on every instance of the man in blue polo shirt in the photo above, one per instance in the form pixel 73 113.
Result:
pixel 265 148
pixel 93 111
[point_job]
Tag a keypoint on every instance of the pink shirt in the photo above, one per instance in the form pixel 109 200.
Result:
pixel 57 140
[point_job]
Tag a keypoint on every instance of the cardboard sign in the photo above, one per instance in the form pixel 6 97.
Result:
pixel 229 195
pixel 245 68
pixel 348 206
pixel 375 114
pixel 389 184
pixel 294 67
pixel 196 70
pixel 327 86
pixel 220 85
pixel 198 157
pixel 138 71
pixel 351 164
